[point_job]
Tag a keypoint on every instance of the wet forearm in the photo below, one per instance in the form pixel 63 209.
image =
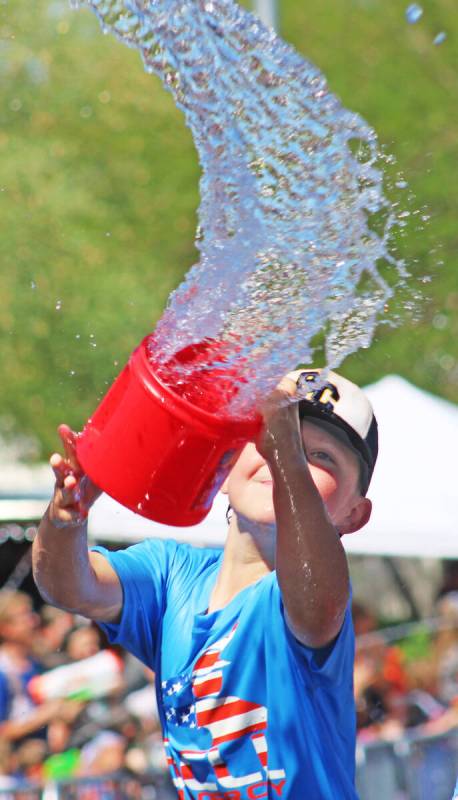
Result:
pixel 61 564
pixel 311 564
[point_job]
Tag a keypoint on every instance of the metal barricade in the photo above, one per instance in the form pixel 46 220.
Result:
pixel 21 792
pixel 430 766
pixel 105 788
pixel 110 787
pixel 413 768
pixel 379 774
pixel 115 787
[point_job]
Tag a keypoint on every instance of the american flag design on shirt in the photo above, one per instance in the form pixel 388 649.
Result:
pixel 236 729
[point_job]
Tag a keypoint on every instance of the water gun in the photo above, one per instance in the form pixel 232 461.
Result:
pixel 86 679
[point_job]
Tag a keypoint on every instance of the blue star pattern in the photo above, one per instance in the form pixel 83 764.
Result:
pixel 178 701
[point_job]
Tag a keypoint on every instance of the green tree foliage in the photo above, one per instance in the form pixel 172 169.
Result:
pixel 99 190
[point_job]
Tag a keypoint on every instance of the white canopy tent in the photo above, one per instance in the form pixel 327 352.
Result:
pixel 415 485
pixel 414 489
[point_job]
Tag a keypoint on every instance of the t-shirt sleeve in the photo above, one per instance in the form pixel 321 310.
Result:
pixel 332 664
pixel 143 570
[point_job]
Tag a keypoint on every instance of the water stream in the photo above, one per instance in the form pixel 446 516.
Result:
pixel 294 225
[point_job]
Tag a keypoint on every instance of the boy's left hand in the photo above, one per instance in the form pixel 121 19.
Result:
pixel 74 492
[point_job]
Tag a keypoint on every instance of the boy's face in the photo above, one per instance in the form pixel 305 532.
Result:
pixel 334 468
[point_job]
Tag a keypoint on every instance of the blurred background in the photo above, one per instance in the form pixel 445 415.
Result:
pixel 98 199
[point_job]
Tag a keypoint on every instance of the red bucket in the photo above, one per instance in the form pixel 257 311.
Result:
pixel 163 449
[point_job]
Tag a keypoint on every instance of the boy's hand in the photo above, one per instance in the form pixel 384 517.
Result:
pixel 280 418
pixel 74 492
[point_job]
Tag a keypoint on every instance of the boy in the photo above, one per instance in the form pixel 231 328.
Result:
pixel 252 648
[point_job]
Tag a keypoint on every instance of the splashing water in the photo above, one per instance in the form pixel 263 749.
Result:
pixel 290 189
pixel 414 13
pixel 440 38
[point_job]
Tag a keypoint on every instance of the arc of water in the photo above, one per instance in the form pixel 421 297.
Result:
pixel 284 221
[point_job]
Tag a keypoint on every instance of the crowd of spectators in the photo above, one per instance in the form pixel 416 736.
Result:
pixel 406 679
pixel 91 728
pixel 86 731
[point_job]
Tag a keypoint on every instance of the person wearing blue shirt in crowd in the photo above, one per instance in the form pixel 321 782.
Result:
pixel 20 717
pixel 253 646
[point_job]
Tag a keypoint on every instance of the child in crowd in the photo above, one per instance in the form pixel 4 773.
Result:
pixel 252 647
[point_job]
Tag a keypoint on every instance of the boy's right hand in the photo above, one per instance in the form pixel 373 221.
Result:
pixel 74 492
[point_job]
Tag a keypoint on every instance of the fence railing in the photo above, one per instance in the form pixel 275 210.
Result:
pixel 109 787
pixel 412 768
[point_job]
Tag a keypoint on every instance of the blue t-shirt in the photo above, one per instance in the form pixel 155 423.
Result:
pixel 15 700
pixel 247 711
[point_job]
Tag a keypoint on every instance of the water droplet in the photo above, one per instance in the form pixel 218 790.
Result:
pixel 414 13
pixel 440 322
pixel 72 372
pixel 401 184
pixel 58 305
pixel 77 336
pixel 447 362
pixel 108 233
pixel 441 37
pixel 92 335
pixel 33 285
pixel 93 344
pixel 116 363
pixel 63 27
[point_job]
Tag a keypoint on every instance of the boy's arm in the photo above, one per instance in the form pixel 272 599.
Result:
pixel 66 573
pixel 311 565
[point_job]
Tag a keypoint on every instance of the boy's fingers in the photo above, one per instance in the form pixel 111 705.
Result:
pixel 70 481
pixel 64 499
pixel 58 467
pixel 74 492
pixel 68 438
pixel 71 492
pixel 288 385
